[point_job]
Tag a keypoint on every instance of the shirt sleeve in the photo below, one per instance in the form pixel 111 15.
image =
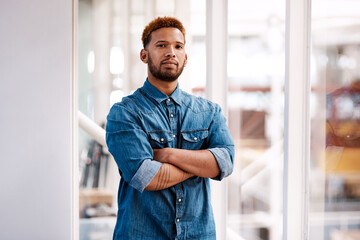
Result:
pixel 220 144
pixel 129 145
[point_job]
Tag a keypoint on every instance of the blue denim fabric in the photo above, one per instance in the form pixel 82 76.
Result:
pixel 148 119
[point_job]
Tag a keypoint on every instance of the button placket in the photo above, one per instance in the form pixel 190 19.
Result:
pixel 179 207
pixel 171 109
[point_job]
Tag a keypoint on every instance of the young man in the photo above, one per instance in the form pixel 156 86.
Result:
pixel 167 144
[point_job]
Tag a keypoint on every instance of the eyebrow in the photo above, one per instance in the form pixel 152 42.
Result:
pixel 163 41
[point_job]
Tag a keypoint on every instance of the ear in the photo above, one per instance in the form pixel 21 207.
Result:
pixel 144 56
pixel 185 62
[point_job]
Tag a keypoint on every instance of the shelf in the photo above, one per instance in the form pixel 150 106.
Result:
pixel 94 196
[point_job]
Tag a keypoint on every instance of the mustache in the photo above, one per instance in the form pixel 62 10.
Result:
pixel 172 61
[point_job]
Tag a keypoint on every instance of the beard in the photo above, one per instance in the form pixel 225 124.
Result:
pixel 166 75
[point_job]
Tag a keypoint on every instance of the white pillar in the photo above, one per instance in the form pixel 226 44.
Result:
pixel 127 46
pixel 216 91
pixel 150 10
pixel 183 13
pixel 102 79
pixel 75 234
pixel 36 100
pixel 297 120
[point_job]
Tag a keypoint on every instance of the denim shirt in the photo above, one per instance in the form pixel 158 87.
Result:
pixel 148 119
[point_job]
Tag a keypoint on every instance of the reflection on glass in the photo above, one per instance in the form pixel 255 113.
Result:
pixel 256 101
pixel 116 60
pixel 335 147
pixel 110 68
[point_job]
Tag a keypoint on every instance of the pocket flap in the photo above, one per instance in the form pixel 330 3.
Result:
pixel 161 136
pixel 195 135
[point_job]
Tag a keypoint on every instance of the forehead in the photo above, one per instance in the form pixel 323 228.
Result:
pixel 168 35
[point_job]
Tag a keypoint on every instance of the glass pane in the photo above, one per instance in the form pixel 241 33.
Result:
pixel 196 48
pixel 97 176
pixel 256 101
pixel 110 68
pixel 165 7
pixel 335 147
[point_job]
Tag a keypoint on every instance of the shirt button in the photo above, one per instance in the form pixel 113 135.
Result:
pixel 168 99
pixel 161 139
pixel 195 138
pixel 179 200
pixel 178 220
pixel 174 136
pixel 171 115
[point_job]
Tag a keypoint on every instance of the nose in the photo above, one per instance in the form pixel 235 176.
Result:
pixel 170 52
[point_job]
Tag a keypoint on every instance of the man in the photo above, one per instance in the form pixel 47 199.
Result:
pixel 167 144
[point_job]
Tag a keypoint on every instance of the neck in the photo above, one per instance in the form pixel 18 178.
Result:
pixel 165 87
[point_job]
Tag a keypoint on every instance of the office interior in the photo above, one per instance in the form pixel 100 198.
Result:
pixel 103 62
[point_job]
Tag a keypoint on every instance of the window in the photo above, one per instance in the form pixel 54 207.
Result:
pixel 256 60
pixel 334 211
pixel 256 99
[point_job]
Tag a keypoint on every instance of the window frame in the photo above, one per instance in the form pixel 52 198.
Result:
pixel 297 117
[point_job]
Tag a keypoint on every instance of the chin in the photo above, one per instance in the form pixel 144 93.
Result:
pixel 168 79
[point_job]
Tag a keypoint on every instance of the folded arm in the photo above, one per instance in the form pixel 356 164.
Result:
pixel 216 158
pixel 201 163
pixel 168 175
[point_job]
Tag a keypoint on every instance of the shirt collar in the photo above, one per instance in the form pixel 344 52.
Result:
pixel 159 96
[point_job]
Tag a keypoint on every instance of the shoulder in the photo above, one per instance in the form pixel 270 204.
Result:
pixel 198 104
pixel 123 114
pixel 134 104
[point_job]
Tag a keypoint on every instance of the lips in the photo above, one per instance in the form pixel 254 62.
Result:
pixel 169 62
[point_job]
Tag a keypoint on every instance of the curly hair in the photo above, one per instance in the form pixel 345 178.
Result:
pixel 160 22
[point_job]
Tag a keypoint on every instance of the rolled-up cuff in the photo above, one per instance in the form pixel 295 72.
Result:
pixel 223 160
pixel 145 174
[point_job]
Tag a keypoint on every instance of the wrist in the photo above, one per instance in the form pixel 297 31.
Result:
pixel 169 154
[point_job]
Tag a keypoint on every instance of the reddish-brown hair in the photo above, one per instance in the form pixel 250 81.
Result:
pixel 160 22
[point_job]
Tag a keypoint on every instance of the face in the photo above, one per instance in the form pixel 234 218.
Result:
pixel 165 54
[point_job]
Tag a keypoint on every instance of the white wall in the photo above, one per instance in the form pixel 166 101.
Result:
pixel 35 119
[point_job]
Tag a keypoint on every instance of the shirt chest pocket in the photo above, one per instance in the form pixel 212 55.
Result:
pixel 160 139
pixel 193 139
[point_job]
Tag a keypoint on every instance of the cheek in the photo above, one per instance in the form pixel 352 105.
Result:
pixel 182 57
pixel 184 60
pixel 155 57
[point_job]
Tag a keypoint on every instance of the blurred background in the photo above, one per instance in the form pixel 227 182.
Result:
pixel 109 35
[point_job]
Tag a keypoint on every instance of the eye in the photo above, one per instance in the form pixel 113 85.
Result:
pixel 179 47
pixel 160 45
